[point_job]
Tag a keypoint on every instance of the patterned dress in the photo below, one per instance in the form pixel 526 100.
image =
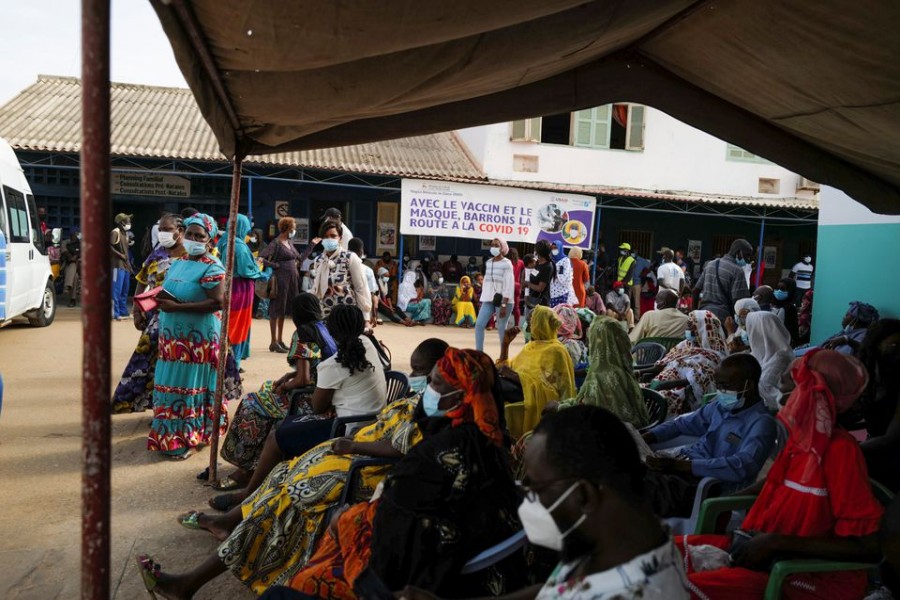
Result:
pixel 259 412
pixel 286 517
pixel 135 390
pixel 441 309
pixel 185 380
pixel 340 284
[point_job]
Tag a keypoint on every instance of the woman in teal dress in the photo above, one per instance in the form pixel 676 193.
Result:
pixel 189 330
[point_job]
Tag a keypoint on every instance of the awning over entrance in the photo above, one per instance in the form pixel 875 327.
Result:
pixel 813 87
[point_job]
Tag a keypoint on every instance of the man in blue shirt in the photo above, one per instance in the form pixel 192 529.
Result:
pixel 736 434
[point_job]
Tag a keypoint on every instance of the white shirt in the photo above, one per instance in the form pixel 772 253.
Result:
pixel 357 394
pixel 656 575
pixel 306 265
pixel 670 275
pixel 804 275
pixel 528 274
pixel 370 279
pixel 346 236
pixel 498 278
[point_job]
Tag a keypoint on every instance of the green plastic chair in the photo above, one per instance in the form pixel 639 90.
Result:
pixel 657 407
pixel 713 507
pixel 666 342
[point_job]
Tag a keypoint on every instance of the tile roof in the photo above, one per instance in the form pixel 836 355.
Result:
pixel 165 122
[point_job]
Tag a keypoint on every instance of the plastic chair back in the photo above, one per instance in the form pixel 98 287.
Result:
pixel 666 342
pixel 646 354
pixel 397 386
pixel 657 407
pixel 495 553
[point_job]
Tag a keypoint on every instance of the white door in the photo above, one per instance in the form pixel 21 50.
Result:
pixel 20 253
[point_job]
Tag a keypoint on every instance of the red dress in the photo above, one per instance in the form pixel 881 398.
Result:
pixel 838 501
pixel 579 278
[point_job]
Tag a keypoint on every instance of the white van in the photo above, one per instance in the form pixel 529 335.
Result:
pixel 29 286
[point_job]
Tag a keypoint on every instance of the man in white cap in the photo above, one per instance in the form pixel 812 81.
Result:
pixel 121 274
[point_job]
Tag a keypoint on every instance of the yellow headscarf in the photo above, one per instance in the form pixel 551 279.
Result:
pixel 545 370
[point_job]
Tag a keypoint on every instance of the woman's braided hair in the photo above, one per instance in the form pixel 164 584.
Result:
pixel 346 324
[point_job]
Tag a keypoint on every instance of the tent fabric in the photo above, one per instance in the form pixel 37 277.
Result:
pixel 814 87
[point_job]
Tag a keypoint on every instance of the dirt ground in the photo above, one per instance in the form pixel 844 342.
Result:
pixel 40 462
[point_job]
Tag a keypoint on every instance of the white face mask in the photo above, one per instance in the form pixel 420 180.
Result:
pixel 807 259
pixel 621 291
pixel 252 240
pixel 540 528
pixel 293 232
pixel 166 239
pixel 555 252
pixel 495 251
pixel 440 280
pixel 127 226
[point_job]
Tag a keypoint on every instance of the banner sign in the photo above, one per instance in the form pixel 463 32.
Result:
pixel 140 184
pixel 464 210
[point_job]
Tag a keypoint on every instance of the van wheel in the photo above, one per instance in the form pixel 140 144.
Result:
pixel 45 314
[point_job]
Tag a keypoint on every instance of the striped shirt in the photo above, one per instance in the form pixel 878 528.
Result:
pixel 498 279
pixel 721 284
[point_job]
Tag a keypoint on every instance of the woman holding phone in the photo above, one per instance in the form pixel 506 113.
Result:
pixel 189 327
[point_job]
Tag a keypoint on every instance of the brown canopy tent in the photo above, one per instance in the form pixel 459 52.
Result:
pixel 814 87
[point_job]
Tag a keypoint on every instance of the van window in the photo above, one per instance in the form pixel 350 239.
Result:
pixel 36 233
pixel 18 217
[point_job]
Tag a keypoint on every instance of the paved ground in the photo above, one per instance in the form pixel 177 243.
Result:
pixel 40 462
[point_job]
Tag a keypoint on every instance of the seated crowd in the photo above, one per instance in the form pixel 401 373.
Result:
pixel 565 442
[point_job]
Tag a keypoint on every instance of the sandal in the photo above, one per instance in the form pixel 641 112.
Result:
pixel 184 456
pixel 227 484
pixel 222 502
pixel 203 475
pixel 149 572
pixel 191 520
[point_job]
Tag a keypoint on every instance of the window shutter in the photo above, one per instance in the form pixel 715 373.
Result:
pixel 602 115
pixel 526 130
pixel 635 134
pixel 592 127
pixel 583 126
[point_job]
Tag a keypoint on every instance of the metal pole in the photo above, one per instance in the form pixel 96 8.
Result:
pixel 226 314
pixel 759 251
pixel 96 300
pixel 250 198
pixel 400 263
pixel 596 245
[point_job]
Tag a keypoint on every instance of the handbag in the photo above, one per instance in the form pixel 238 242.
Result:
pixel 266 288
pixel 384 353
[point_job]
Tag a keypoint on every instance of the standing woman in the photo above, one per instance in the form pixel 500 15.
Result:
pixel 561 291
pixel 189 327
pixel 282 257
pixel 497 291
pixel 339 277
pixel 545 273
pixel 580 276
pixel 135 390
pixel 245 273
pixel 518 269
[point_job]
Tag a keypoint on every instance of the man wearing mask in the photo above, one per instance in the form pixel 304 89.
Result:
pixel 665 321
pixel 618 305
pixel 723 281
pixel 802 273
pixel 333 214
pixel 121 275
pixel 736 435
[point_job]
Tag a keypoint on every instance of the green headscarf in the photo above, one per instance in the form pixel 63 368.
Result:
pixel 610 381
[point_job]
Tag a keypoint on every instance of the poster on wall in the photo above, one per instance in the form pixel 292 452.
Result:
pixel 770 256
pixel 387 237
pixel 695 248
pixel 282 209
pixel 427 243
pixel 463 210
pixel 302 236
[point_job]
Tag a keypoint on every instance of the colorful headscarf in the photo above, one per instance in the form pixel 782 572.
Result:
pixel 828 383
pixel 473 372
pixel 707 331
pixel 804 314
pixel 864 314
pixel 570 324
pixel 205 221
pixel 544 324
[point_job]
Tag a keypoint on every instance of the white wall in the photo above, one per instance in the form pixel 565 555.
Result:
pixel 676 158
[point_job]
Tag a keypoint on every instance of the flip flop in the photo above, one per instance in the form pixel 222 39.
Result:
pixel 203 475
pixel 226 485
pixel 191 520
pixel 149 572
pixel 222 502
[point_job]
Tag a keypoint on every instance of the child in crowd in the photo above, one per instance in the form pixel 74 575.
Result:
pixel 465 306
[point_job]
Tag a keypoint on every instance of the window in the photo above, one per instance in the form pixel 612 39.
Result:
pixel 611 126
pixel 18 217
pixel 36 236
pixel 737 153
pixel 641 241
pixel 722 243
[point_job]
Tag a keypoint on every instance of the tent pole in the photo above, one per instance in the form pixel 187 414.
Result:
pixel 759 251
pixel 596 244
pixel 96 300
pixel 226 314
pixel 250 198
pixel 400 264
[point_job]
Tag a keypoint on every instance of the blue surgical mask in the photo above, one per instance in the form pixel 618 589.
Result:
pixel 431 400
pixel 730 400
pixel 330 244
pixel 741 262
pixel 745 339
pixel 848 328
pixel 689 335
pixel 495 251
pixel 194 248
pixel 417 384
pixel 781 295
